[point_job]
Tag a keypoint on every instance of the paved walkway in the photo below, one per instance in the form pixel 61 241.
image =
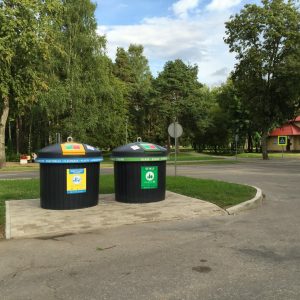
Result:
pixel 25 218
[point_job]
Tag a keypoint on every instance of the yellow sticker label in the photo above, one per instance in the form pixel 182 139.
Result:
pixel 76 181
pixel 72 149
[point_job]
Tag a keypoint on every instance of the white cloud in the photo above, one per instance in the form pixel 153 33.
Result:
pixel 181 8
pixel 222 4
pixel 195 40
pixel 221 72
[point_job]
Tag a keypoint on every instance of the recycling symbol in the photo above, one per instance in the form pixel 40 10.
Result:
pixel 150 176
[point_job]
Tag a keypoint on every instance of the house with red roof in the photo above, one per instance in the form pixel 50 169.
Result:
pixel 291 129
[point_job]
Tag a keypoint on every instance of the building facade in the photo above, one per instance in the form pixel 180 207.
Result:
pixel 290 129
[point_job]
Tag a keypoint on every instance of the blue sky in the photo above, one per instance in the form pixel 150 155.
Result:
pixel 191 30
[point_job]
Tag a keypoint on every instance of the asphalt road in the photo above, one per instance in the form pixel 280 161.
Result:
pixel 18 174
pixel 4 175
pixel 254 255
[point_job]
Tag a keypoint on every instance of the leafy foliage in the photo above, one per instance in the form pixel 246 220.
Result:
pixel 56 80
pixel 266 42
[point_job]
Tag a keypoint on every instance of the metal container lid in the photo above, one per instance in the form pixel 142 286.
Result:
pixel 139 151
pixel 69 152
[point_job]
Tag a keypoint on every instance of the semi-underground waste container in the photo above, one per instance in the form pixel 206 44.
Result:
pixel 139 172
pixel 69 176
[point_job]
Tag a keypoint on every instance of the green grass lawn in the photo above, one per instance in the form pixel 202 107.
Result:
pixel 205 162
pixel 271 155
pixel 221 193
pixel 15 190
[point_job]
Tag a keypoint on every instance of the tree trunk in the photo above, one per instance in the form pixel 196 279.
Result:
pixel 17 135
pixel 169 144
pixel 264 138
pixel 250 143
pixel 3 121
pixel 29 139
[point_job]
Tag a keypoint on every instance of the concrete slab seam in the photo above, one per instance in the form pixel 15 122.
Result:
pixel 7 221
pixel 250 204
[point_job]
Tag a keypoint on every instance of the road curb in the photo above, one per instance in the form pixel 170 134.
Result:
pixel 250 204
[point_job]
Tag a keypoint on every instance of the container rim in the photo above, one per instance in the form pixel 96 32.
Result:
pixel 133 159
pixel 68 160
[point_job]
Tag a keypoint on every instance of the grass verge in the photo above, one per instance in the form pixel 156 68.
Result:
pixel 16 190
pixel 272 155
pixel 223 194
pixel 205 162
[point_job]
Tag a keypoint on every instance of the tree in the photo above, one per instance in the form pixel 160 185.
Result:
pixel 23 32
pixel 267 74
pixel 132 68
pixel 55 76
pixel 84 97
pixel 237 116
pixel 78 68
pixel 178 95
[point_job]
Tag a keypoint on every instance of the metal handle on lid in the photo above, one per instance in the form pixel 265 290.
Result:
pixel 139 139
pixel 69 139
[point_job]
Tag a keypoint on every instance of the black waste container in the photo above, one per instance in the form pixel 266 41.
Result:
pixel 69 176
pixel 139 172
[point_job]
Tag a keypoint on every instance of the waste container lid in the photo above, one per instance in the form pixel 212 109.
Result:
pixel 69 152
pixel 139 151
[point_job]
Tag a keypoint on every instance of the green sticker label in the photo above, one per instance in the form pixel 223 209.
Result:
pixel 149 178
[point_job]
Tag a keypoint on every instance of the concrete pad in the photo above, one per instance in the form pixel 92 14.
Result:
pixel 25 218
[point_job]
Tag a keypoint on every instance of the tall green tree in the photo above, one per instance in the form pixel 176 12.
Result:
pixel 266 40
pixel 23 32
pixel 84 98
pixel 132 68
pixel 78 66
pixel 178 95
pixel 237 116
pixel 208 124
pixel 176 84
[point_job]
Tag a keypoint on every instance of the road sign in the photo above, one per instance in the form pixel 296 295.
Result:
pixel 175 130
pixel 282 140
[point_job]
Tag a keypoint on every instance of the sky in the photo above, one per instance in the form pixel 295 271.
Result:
pixel 191 30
